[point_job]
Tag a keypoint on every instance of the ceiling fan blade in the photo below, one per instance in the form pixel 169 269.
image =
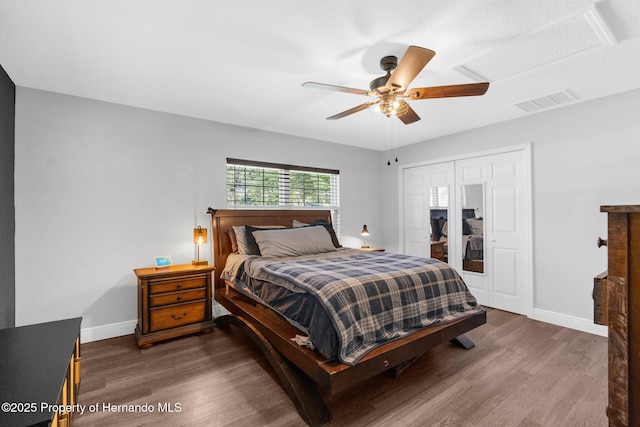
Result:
pixel 350 111
pixel 413 61
pixel 472 89
pixel 335 88
pixel 410 116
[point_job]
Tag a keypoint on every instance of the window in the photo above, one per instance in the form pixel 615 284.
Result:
pixel 271 185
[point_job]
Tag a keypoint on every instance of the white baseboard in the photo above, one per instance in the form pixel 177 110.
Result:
pixel 104 332
pixel 571 322
pixel 113 330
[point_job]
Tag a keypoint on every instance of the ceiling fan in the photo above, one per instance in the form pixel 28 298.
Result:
pixel 391 90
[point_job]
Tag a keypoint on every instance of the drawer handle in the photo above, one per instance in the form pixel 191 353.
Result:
pixel 174 317
pixel 601 242
pixel 179 297
pixel 179 285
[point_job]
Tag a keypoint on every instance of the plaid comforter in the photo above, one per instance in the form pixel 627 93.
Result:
pixel 372 297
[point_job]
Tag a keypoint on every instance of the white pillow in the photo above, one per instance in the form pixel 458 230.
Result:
pixel 241 237
pixel 297 224
pixel 294 241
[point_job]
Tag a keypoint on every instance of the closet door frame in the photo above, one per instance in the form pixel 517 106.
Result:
pixel 526 148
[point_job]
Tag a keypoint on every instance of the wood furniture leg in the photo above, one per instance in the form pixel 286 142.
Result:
pixel 460 340
pixel 300 388
pixel 463 341
pixel 397 370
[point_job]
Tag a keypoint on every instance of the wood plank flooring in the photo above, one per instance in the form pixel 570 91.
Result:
pixel 521 373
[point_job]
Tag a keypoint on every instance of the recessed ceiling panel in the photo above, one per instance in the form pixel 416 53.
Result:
pixel 551 43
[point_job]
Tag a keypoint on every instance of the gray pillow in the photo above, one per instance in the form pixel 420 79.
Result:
pixel 294 241
pixel 241 237
pixel 475 225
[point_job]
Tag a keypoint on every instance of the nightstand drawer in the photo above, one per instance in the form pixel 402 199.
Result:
pixel 177 315
pixel 157 287
pixel 177 297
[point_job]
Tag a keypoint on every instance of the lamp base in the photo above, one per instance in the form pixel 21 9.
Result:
pixel 200 262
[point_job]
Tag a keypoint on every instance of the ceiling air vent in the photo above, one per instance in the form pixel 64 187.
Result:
pixel 544 102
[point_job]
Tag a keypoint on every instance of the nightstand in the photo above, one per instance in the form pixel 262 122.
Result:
pixel 173 301
pixel 371 249
pixel 437 250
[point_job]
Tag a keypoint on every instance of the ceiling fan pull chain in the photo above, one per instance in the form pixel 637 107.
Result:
pixel 395 123
pixel 388 141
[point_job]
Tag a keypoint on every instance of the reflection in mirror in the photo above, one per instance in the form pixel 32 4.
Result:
pixel 473 228
pixel 439 209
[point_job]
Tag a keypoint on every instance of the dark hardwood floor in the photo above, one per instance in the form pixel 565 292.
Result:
pixel 521 373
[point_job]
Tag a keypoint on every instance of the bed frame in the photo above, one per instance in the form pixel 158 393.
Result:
pixel 304 373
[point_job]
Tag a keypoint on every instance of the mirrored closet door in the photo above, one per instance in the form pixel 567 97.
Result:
pixel 474 214
pixel 471 183
pixel 471 212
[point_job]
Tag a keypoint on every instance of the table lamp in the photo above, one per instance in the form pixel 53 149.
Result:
pixel 364 234
pixel 199 238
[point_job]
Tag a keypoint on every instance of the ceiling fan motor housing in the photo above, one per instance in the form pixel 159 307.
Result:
pixel 388 64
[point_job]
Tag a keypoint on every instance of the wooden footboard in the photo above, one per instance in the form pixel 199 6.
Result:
pixel 333 376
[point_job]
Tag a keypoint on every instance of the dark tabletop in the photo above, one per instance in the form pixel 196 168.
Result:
pixel 34 361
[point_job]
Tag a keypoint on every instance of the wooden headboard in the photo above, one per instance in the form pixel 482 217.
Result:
pixel 223 219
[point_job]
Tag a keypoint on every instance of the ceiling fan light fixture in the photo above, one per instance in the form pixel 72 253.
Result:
pixel 393 106
pixel 389 105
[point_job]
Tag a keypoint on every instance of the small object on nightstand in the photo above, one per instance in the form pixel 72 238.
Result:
pixel 199 238
pixel 163 261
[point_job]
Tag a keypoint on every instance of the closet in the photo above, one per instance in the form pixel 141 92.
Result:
pixel 476 211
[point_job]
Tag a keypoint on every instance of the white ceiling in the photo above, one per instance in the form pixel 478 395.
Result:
pixel 243 62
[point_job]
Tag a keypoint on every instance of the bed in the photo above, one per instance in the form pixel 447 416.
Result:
pixel 305 373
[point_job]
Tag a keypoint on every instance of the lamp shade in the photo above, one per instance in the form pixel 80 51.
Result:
pixel 364 231
pixel 199 235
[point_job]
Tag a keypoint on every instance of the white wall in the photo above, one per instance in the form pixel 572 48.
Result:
pixel 101 189
pixel 583 156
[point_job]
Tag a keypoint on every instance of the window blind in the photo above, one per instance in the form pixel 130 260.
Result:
pixel 272 185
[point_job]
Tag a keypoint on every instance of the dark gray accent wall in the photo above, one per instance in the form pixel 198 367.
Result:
pixel 7 206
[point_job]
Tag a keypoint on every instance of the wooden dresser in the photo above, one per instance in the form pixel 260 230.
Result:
pixel 617 305
pixel 40 373
pixel 173 301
